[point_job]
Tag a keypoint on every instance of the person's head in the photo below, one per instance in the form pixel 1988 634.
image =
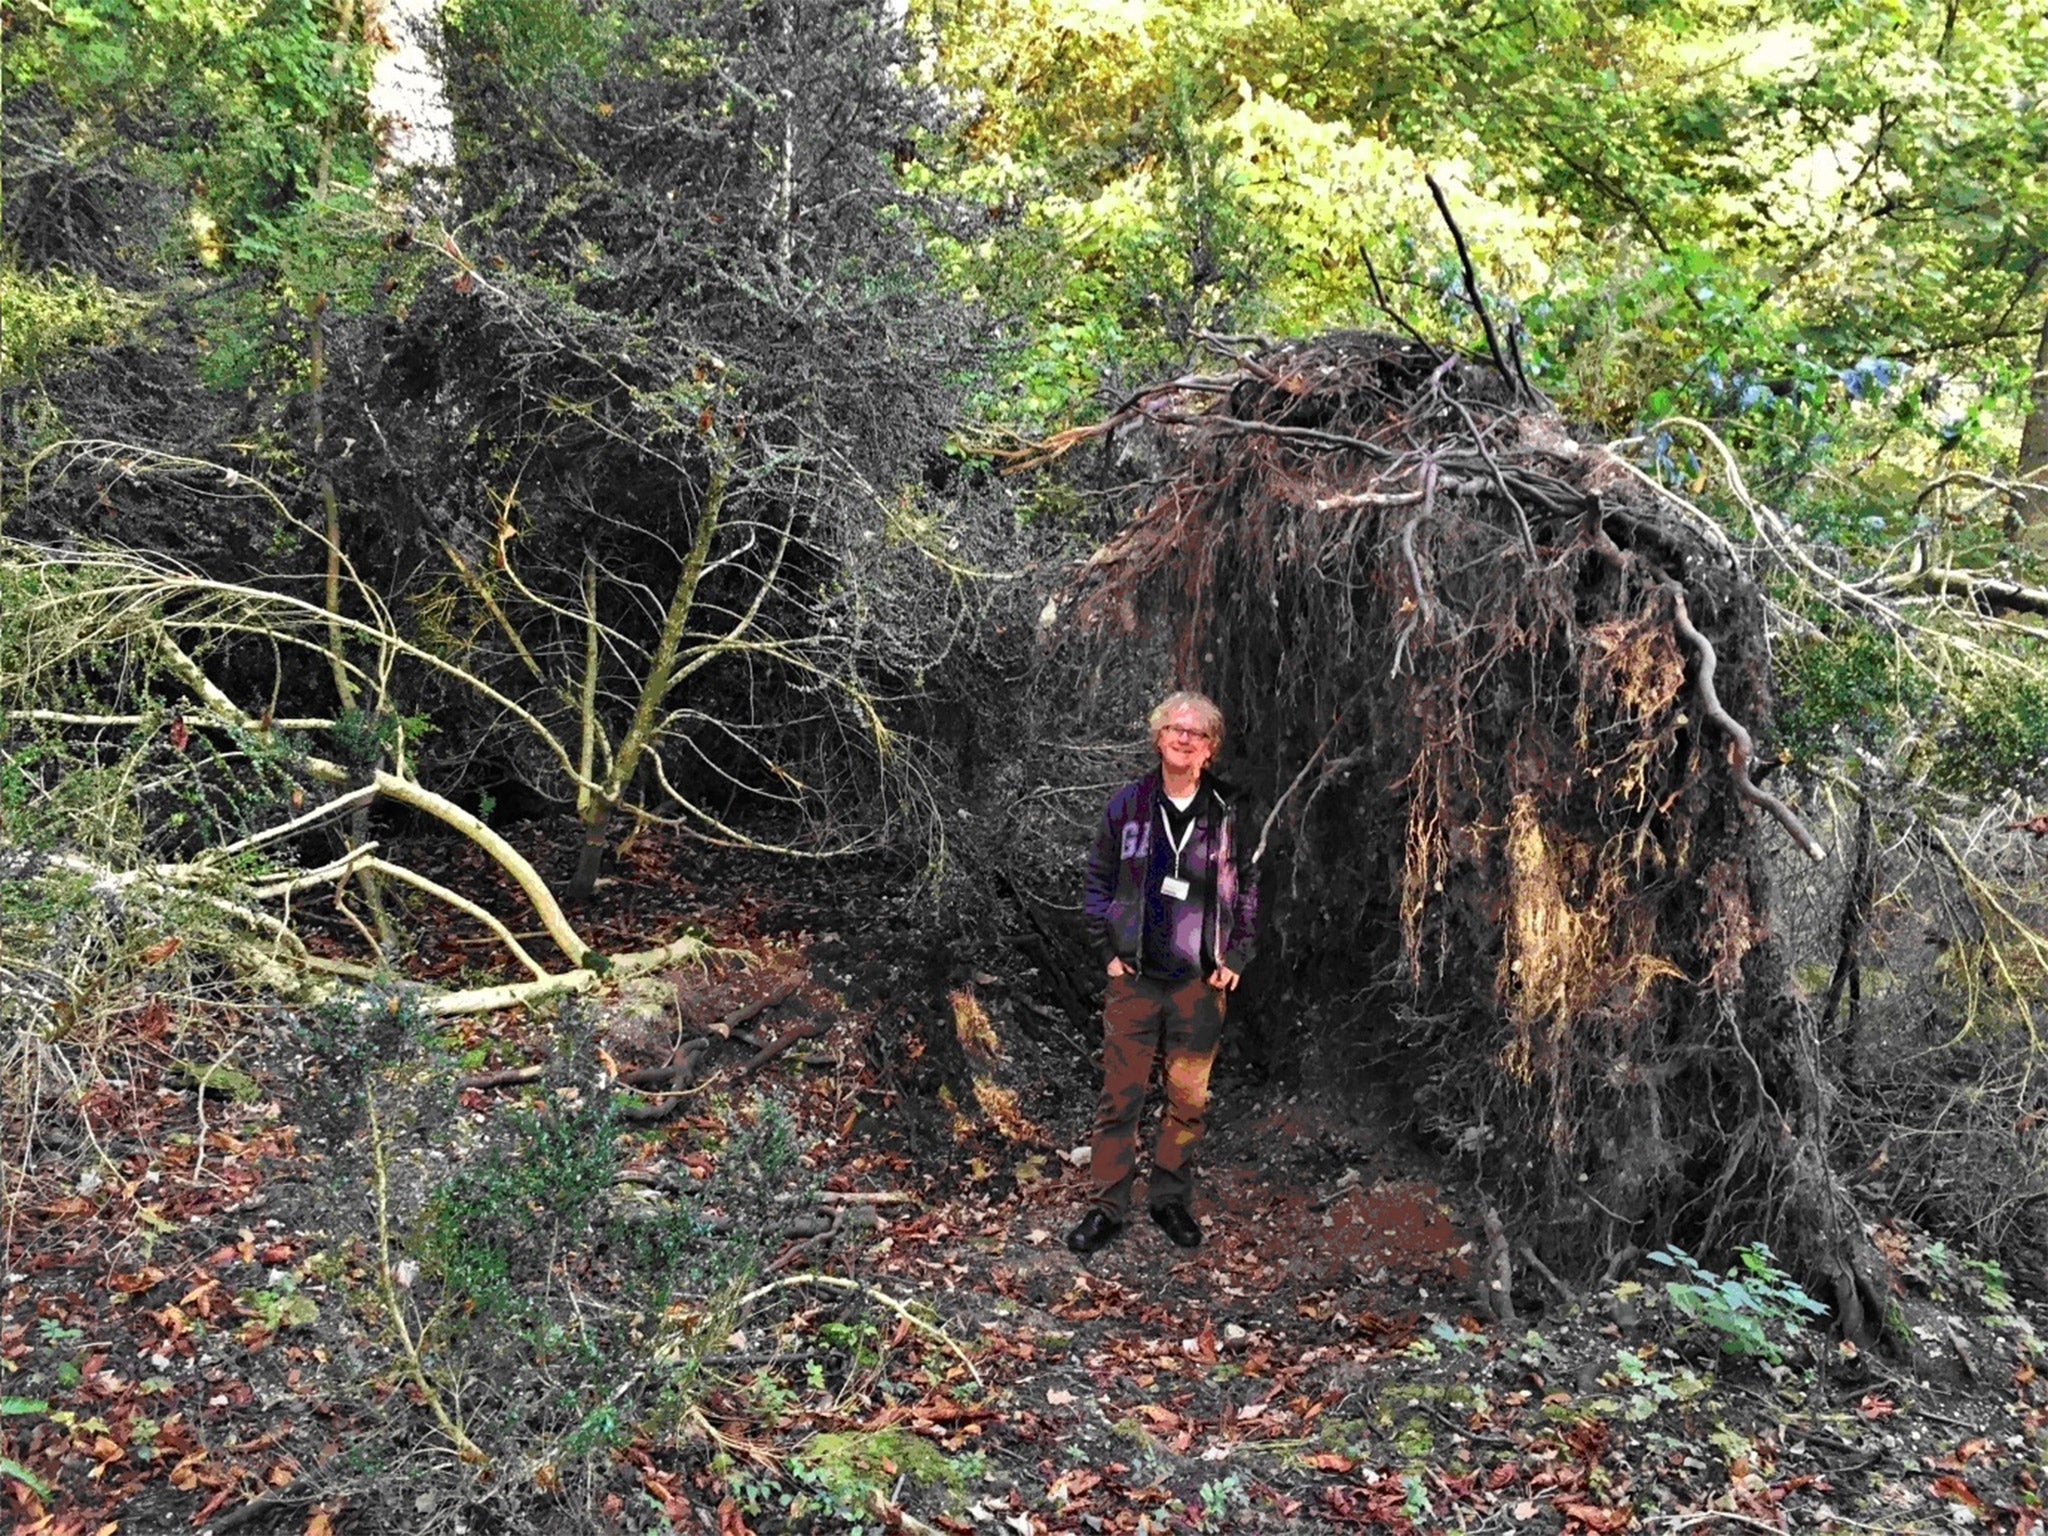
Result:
pixel 1187 728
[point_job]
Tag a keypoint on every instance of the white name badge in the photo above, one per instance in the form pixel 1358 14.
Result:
pixel 1174 888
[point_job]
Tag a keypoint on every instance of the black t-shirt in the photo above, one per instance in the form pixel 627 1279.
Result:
pixel 1162 961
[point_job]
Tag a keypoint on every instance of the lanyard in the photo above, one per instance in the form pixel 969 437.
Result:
pixel 1186 832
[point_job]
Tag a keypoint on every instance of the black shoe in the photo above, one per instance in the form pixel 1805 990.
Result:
pixel 1179 1225
pixel 1093 1230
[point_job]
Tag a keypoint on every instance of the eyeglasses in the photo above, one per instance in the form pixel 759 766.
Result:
pixel 1189 732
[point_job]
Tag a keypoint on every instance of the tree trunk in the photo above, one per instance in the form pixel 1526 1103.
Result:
pixel 590 853
pixel 667 666
pixel 2033 507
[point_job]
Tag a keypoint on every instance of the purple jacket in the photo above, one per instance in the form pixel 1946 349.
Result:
pixel 1113 892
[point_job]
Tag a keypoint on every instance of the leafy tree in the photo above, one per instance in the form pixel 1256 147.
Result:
pixel 1857 179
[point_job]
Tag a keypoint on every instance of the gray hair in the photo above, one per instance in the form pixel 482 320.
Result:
pixel 1204 709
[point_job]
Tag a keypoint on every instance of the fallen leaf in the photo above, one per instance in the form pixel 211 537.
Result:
pixel 1596 1518
pixel 1059 1397
pixel 1331 1461
pixel 1072 1483
pixel 1953 1487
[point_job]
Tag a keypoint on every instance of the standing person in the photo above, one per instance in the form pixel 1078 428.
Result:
pixel 1169 909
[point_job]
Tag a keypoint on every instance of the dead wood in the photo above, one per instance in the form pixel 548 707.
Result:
pixel 681 1066
pixel 1499 1271
pixel 505 1077
pixel 781 993
pixel 1565 1293
pixel 775 1048
pixel 1478 302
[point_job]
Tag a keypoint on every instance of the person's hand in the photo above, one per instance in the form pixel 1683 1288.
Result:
pixel 1223 979
pixel 1117 966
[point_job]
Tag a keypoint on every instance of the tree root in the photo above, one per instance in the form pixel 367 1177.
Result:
pixel 1742 748
pixel 1497 1290
pixel 769 1052
pixel 782 993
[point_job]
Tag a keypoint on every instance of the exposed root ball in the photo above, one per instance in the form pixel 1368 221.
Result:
pixel 1496 690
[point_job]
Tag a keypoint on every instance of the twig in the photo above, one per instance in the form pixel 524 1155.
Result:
pixel 1377 452
pixel 651 1110
pixel 465 1447
pixel 1500 480
pixel 460 903
pixel 1704 1516
pixel 1422 614
pixel 1443 207
pixel 1529 1258
pixel 1350 1179
pixel 1535 395
pixel 807 1234
pixel 1273 815
pixel 585 978
pixel 502 853
pixel 682 1063
pixel 319 813
pixel 1991 591
pixel 242 1514
pixel 1388 309
pixel 838 1282
pixel 1624 1256
pixel 868 1197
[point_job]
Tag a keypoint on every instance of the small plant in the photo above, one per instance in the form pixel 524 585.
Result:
pixel 1221 1501
pixel 1996 1296
pixel 1751 1311
pixel 1415 1505
pixel 485 1230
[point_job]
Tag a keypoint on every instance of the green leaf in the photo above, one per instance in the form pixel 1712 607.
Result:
pixel 9 1467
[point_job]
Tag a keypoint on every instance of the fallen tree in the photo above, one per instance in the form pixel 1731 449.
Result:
pixel 112 720
pixel 1497 690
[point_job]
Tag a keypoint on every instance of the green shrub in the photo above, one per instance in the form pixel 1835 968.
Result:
pixel 1752 1311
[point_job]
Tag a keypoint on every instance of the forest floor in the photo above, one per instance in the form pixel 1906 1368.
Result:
pixel 198 1309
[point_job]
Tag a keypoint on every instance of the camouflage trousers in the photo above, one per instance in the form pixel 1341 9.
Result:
pixel 1141 1019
